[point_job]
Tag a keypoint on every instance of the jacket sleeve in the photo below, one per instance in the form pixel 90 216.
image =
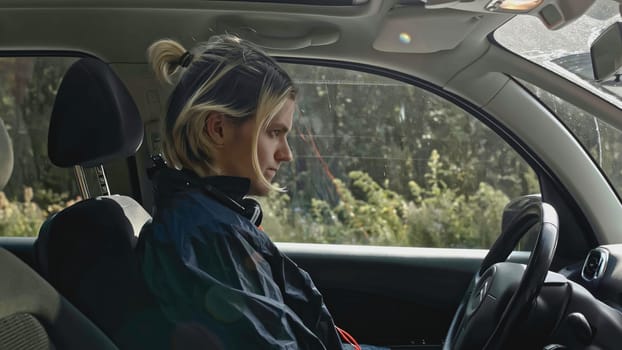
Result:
pixel 301 295
pixel 217 278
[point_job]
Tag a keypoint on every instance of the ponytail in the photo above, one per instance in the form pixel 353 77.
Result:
pixel 167 57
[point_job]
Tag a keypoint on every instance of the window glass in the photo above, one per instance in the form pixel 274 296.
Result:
pixel 601 140
pixel 566 51
pixel 381 162
pixel 34 188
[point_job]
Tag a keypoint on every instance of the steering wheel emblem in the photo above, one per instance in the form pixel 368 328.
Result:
pixel 481 294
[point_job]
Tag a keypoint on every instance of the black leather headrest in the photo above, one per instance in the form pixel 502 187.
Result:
pixel 94 119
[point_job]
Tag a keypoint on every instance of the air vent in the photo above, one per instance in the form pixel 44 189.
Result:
pixel 595 264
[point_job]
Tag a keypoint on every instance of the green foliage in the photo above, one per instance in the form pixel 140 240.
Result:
pixel 452 220
pixel 28 88
pixel 23 217
pixel 20 218
pixel 36 188
pixel 51 201
pixel 368 213
pixel 377 161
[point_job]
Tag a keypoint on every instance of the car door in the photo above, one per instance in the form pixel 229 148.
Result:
pixel 393 196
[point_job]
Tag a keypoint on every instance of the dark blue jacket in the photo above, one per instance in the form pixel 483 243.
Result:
pixel 207 264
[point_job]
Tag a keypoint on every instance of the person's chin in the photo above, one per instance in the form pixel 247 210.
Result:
pixel 259 191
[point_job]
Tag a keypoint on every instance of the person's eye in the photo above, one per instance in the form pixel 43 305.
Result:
pixel 275 133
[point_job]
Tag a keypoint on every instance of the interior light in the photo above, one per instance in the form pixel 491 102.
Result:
pixel 513 5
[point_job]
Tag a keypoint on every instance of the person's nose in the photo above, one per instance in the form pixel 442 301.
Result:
pixel 284 153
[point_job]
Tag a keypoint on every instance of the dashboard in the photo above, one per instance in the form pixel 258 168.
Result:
pixel 590 297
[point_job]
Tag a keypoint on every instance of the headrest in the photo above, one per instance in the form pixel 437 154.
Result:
pixel 94 118
pixel 6 156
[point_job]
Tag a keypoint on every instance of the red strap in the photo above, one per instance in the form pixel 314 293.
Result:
pixel 348 338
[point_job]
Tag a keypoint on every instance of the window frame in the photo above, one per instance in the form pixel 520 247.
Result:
pixel 469 109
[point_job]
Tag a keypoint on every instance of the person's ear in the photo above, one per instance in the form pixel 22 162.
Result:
pixel 215 128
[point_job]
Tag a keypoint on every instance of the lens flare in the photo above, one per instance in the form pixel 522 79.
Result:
pixel 405 38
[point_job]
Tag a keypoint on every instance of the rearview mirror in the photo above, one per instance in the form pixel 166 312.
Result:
pixel 606 52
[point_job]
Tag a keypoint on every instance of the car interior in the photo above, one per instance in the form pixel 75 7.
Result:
pixel 35 316
pixel 97 272
pixel 549 279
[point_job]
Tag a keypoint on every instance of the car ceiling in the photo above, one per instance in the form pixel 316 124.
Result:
pixel 444 41
pixel 450 48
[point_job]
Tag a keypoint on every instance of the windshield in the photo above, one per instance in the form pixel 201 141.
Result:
pixel 565 51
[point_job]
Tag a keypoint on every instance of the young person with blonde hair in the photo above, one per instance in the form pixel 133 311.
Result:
pixel 213 271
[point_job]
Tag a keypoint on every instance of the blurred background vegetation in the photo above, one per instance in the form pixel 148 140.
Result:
pixel 377 161
pixel 382 162
pixel 36 189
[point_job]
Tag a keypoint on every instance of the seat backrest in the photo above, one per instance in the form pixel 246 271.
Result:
pixel 33 316
pixel 86 251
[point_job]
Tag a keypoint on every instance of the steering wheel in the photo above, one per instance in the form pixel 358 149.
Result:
pixel 501 292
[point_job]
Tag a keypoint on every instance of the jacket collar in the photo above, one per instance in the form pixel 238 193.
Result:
pixel 233 186
pixel 168 181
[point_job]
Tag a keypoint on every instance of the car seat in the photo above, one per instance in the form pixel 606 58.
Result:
pixel 33 316
pixel 86 251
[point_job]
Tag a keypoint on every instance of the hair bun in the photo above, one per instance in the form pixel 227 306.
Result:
pixel 166 57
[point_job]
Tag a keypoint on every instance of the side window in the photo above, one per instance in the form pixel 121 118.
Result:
pixel 601 140
pixel 381 162
pixel 32 189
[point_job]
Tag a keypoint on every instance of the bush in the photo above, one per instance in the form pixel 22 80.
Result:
pixel 24 218
pixel 20 218
pixel 369 213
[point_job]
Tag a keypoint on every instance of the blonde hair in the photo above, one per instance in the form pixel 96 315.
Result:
pixel 227 75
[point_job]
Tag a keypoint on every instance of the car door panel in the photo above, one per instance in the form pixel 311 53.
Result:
pixel 22 247
pixel 396 296
pixel 391 295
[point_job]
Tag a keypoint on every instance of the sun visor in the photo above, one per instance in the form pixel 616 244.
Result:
pixel 410 30
pixel 279 33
